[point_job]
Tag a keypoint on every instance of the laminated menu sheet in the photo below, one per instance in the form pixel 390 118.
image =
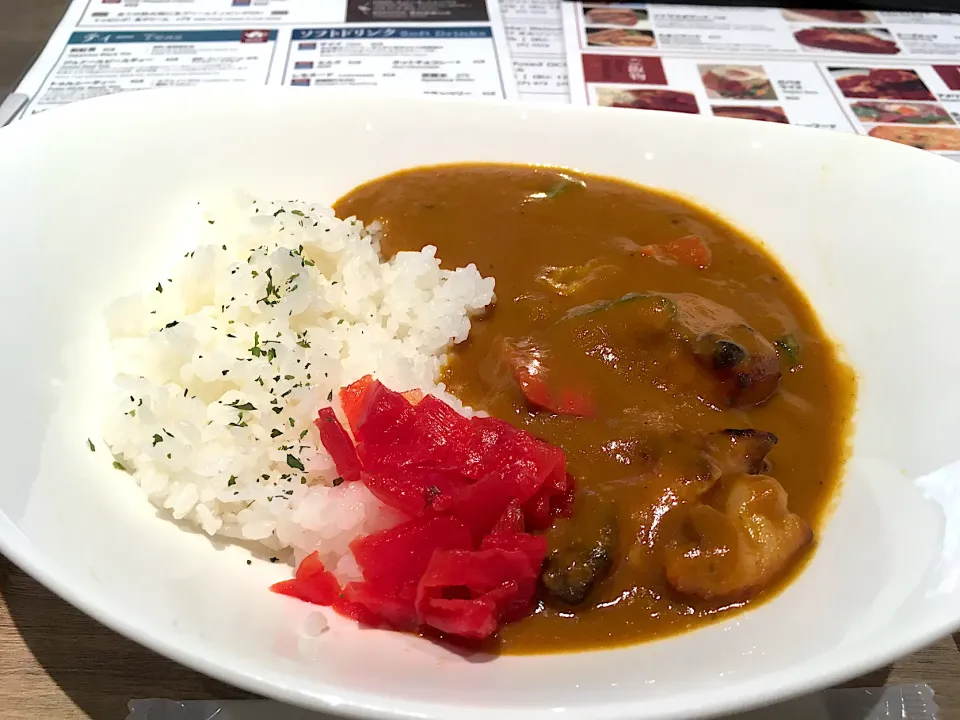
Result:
pixel 890 75
pixel 441 47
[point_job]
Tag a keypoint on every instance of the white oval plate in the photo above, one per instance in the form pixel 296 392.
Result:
pixel 93 204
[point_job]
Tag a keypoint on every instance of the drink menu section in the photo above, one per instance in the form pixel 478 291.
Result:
pixel 894 76
pixel 535 34
pixel 440 47
pixel 417 59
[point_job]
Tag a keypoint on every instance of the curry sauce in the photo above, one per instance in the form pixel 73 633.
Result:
pixel 674 361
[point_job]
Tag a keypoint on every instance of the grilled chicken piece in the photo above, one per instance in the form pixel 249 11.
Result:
pixel 733 552
pixel 582 553
pixel 744 363
pixel 740 451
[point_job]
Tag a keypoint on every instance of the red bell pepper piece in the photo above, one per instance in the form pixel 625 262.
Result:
pixel 468 593
pixel 528 363
pixel 396 558
pixel 690 250
pixel 382 414
pixel 311 583
pixel 533 547
pixel 351 397
pixel 510 522
pixel 411 491
pixel 337 442
pixel 396 610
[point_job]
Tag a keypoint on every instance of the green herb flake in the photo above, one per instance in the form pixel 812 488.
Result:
pixel 119 466
pixel 330 396
pixel 276 433
pixel 157 439
pixel 789 349
pixel 303 434
pixel 159 288
pixel 246 407
pixel 293 462
pixel 91 445
pixel 277 410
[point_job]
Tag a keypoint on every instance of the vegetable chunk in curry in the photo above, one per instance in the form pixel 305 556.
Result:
pixel 702 409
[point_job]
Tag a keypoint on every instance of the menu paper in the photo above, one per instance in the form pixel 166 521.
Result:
pixel 890 75
pixel 441 47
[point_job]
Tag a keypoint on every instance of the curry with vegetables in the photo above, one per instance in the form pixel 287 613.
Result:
pixel 703 411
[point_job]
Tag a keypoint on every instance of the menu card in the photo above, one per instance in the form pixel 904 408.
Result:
pixel 890 75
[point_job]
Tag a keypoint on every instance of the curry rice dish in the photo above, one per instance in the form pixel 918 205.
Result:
pixel 636 434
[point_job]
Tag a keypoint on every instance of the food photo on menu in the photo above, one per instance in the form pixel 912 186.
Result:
pixel 901 112
pixel 881 83
pixel 619 16
pixel 769 113
pixel 620 37
pixel 923 138
pixel 648 99
pixel 738 82
pixel 873 41
pixel 852 17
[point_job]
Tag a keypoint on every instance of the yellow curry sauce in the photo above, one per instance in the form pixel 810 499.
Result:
pixel 587 299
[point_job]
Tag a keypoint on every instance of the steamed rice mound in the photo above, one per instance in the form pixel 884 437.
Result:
pixel 222 366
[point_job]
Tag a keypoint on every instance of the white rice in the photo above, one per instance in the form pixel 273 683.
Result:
pixel 222 366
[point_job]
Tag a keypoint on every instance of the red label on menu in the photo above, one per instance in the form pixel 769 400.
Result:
pixel 950 75
pixel 255 36
pixel 620 69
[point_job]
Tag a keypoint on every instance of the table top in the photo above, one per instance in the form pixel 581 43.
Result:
pixel 57 663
